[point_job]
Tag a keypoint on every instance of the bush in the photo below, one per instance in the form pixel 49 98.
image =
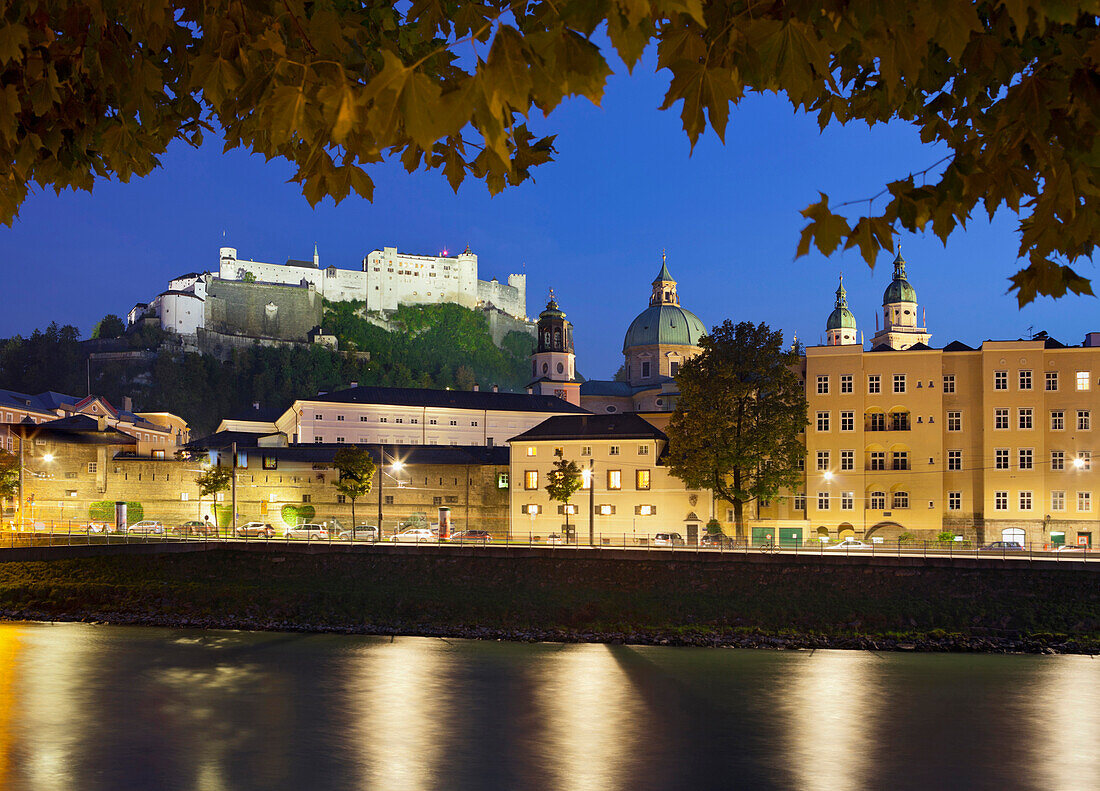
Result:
pixel 945 537
pixel 223 515
pixel 713 526
pixel 104 511
pixel 905 537
pixel 297 514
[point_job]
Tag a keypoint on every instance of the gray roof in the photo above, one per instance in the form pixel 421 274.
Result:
pixel 449 399
pixel 595 387
pixel 323 453
pixel 621 426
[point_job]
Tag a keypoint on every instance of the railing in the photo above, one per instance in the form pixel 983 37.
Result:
pixel 75 534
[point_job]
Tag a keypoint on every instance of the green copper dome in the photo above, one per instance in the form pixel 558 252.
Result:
pixel 899 289
pixel 664 325
pixel 841 318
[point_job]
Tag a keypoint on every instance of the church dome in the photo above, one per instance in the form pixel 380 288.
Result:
pixel 899 289
pixel 664 325
pixel 840 319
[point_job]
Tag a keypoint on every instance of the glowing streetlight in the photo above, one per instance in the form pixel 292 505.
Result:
pixel 1078 463
pixel 397 466
pixel 828 475
pixel 47 457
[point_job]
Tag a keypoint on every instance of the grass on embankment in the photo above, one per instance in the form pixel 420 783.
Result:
pixel 411 593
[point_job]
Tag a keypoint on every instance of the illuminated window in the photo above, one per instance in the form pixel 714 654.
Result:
pixel 531 480
pixel 1082 380
pixel 605 510
pixel 185 496
pixel 641 479
pixel 614 479
pixel 1084 502
pixel 645 510
pixel 1085 462
pixel 530 450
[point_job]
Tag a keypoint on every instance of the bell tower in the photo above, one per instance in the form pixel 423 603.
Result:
pixel 553 363
pixel 841 327
pixel 900 327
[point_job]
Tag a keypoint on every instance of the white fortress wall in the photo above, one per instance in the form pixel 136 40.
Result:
pixel 510 297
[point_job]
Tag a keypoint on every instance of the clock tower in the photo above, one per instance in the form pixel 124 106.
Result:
pixel 553 364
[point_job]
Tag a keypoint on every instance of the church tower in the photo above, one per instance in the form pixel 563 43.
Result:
pixel 553 364
pixel 900 329
pixel 841 327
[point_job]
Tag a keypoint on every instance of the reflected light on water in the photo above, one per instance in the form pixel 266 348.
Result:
pixel 10 644
pixel 830 700
pixel 1065 721
pixel 595 725
pixel 400 699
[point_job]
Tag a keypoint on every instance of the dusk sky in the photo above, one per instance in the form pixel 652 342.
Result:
pixel 592 226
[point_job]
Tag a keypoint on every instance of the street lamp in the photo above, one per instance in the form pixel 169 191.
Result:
pixel 396 465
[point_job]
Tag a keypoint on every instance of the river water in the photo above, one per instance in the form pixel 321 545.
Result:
pixel 103 707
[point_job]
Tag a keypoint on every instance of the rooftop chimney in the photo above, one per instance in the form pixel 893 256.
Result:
pixel 127 404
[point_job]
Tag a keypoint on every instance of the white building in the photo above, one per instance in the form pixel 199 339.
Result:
pixel 409 416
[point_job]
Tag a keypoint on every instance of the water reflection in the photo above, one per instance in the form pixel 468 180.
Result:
pixel 93 708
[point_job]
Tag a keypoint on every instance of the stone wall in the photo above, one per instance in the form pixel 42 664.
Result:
pixel 500 324
pixel 510 297
pixel 262 310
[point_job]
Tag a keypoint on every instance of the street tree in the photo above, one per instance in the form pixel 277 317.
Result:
pixel 211 481
pixel 1008 91
pixel 562 482
pixel 356 468
pixel 9 474
pixel 735 429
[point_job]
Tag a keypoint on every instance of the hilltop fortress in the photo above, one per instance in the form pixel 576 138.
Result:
pixel 285 301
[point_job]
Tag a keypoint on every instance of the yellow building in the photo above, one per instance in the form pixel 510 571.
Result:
pixel 990 443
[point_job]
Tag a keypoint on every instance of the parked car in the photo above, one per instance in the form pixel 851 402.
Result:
pixel 471 537
pixel 196 528
pixel 255 530
pixel 1072 548
pixel 847 545
pixel 415 534
pixel 307 531
pixel 1002 546
pixel 713 540
pixel 360 533
pixel 555 538
pixel 668 540
pixel 146 527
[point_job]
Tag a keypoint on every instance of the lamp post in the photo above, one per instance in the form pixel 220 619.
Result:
pixel 396 466
pixel 591 501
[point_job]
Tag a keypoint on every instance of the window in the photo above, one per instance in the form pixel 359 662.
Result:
pixel 531 480
pixel 1027 459
pixel 645 369
pixel 437 501
pixel 799 503
pixel 876 421
pixel 901 459
pixel 613 450
pixel 800 464
pixel 847 421
pixel 432 421
pixel 900 500
pixel 339 439
pixel 847 460
pixel 1000 418
pixel 878 501
pixel 318 439
pixel 614 479
pixel 389 499
pixel 305 497
pixel 1084 460
pixel 318 417
pixel 846 383
pixel 878 460
pixel 1025 380
pixel 954 421
pixel 92 467
pixel 1000 380
pixel 822 421
pixel 387 420
pixel 1024 418
pixel 1082 380
pixel 949 383
pixel 847 501
pixel 1084 502
pixel 340 498
pixel 185 496
pixel 1000 501
pixel 472 422
pixel 1057 419
pixel 339 417
pixel 1000 459
pixel 641 479
pixel 502 480
pixel 1052 381
pixel 454 423
pixel 899 421
pixel 362 418
pixel 954 460
pixel 673 368
pixel 874 383
pixel 531 450
pixel 1057 501
pixel 643 450
pixel 822 460
pixel 954 501
pixel 1084 422
pixel 1025 501
pixel 899 383
pixel 823 501
pixel 1057 460
pixel 823 385
pixel 586 450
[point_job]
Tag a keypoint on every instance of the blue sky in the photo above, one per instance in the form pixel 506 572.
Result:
pixel 592 226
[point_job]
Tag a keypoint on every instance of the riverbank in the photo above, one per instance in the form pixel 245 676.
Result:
pixel 783 603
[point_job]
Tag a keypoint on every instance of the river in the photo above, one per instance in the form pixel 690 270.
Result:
pixel 87 707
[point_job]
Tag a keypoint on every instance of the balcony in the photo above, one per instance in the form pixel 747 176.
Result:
pixel 881 422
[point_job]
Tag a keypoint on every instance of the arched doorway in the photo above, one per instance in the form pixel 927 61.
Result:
pixel 1015 534
pixel 823 533
pixel 846 531
pixel 888 531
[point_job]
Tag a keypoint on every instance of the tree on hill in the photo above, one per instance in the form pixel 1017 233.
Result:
pixel 356 469
pixel 735 429
pixel 110 326
pixel 562 482
pixel 1009 90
